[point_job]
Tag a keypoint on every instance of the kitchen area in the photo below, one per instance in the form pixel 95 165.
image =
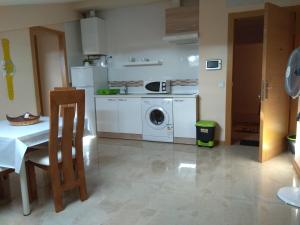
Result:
pixel 139 66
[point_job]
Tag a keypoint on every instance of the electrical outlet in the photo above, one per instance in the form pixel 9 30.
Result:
pixel 221 84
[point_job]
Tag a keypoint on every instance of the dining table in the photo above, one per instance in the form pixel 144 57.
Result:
pixel 14 142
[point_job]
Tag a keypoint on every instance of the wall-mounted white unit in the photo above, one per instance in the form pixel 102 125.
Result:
pixel 93 36
pixel 182 38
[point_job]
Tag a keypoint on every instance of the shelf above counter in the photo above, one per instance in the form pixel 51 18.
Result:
pixel 144 63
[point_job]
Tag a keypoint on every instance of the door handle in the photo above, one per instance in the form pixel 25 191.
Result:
pixel 264 90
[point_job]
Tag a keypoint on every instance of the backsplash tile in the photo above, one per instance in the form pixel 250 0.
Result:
pixel 186 82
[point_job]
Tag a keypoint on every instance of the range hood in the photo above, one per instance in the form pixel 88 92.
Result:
pixel 182 38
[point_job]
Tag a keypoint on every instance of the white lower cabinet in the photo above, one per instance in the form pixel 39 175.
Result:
pixel 119 115
pixel 107 115
pixel 185 116
pixel 130 117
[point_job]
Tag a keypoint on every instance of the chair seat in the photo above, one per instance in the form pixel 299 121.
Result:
pixel 3 169
pixel 41 157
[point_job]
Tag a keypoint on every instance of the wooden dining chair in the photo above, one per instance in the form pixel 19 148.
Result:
pixel 4 177
pixel 63 160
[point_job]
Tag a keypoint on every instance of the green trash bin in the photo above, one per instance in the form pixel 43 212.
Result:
pixel 291 140
pixel 205 131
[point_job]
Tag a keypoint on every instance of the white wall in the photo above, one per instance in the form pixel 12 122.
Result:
pixel 137 31
pixel 24 16
pixel 213 44
pixel 73 44
pixel 23 79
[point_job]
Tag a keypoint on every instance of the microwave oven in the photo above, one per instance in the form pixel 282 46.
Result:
pixel 157 87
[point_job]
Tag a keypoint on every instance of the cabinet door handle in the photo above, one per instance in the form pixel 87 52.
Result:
pixel 122 100
pixel 177 100
pixel 111 100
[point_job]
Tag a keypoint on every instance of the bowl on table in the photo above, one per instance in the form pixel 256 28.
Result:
pixel 25 119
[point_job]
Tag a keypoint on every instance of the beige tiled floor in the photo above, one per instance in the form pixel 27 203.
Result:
pixel 144 183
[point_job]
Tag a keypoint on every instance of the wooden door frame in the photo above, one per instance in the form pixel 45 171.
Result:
pixel 34 31
pixel 231 18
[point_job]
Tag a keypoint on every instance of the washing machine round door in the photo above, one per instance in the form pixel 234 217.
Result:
pixel 157 118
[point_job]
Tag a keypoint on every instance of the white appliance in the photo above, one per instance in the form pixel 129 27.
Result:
pixel 93 35
pixel 291 195
pixel 157 119
pixel 157 87
pixel 89 78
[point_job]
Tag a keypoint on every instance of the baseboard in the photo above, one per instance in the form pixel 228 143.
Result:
pixel 296 167
pixel 120 136
pixel 139 137
pixel 186 141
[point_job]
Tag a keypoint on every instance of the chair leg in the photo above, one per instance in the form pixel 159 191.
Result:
pixel 82 185
pixel 4 188
pixel 57 197
pixel 31 178
pixel 83 192
pixel 2 194
pixel 56 188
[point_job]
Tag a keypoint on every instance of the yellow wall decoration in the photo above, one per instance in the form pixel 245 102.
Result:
pixel 9 68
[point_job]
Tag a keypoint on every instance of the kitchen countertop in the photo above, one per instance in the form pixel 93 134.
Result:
pixel 148 96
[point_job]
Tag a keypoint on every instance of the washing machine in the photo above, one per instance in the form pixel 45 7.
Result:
pixel 157 116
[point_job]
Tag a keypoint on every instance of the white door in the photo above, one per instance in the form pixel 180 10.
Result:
pixel 184 114
pixel 129 110
pixel 107 115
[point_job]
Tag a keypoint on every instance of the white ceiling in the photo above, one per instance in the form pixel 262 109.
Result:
pixel 27 2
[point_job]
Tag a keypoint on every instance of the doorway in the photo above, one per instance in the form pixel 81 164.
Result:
pixel 246 79
pixel 274 105
pixel 49 64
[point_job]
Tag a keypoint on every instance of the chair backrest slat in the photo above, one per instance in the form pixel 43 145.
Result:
pixel 66 145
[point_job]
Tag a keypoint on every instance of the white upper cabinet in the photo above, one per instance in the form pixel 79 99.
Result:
pixel 93 36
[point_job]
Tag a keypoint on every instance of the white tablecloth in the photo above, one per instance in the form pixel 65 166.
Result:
pixel 14 140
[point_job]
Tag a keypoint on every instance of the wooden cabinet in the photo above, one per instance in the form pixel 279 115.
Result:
pixel 119 115
pixel 93 36
pixel 182 20
pixel 185 117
